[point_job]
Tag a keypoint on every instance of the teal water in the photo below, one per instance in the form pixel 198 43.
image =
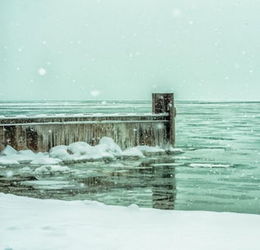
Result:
pixel 219 169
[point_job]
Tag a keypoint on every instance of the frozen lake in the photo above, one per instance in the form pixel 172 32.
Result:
pixel 219 169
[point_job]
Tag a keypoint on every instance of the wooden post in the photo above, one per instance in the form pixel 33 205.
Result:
pixel 164 103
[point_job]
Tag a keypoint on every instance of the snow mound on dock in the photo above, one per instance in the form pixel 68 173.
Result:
pixel 79 148
pixel 106 150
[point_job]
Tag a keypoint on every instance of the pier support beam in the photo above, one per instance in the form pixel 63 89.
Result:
pixel 164 103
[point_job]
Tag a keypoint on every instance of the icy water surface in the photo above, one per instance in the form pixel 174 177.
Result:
pixel 219 169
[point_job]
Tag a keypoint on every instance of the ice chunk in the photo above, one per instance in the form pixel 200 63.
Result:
pixel 27 153
pixel 60 152
pixel 172 150
pixel 80 151
pixel 79 148
pixel 24 156
pixel 45 161
pixel 40 115
pixel 208 165
pixel 132 153
pixel 150 149
pixel 147 150
pixel 8 150
pixel 51 169
pixel 110 146
pixel 14 157
pixel 101 152
pixel 21 116
pixel 25 170
pixel 7 161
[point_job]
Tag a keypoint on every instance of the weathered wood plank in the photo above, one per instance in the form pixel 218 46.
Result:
pixel 42 133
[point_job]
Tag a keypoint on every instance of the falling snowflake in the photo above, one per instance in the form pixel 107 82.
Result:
pixel 95 92
pixel 42 71
pixel 176 13
pixel 160 126
pixel 9 174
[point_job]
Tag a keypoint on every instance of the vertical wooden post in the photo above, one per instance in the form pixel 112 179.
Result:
pixel 164 103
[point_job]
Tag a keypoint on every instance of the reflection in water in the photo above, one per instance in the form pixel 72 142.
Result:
pixel 145 184
pixel 164 187
pixel 159 179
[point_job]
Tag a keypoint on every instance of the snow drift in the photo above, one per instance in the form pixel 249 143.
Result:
pixel 31 224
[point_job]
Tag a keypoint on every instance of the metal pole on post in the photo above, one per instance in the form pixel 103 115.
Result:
pixel 164 103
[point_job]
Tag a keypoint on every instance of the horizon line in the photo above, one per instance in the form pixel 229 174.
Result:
pixel 122 100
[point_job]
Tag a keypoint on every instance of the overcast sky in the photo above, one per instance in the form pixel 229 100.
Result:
pixel 126 49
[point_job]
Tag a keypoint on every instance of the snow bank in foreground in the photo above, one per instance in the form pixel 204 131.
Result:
pixel 51 224
pixel 107 149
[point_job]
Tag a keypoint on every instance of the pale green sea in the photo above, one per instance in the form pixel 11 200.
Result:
pixel 219 169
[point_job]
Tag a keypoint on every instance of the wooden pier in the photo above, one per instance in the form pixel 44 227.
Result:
pixel 42 133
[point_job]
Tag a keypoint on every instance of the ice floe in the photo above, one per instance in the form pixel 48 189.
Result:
pixel 51 169
pixel 208 165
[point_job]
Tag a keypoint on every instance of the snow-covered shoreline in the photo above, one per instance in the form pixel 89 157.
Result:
pixel 35 224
